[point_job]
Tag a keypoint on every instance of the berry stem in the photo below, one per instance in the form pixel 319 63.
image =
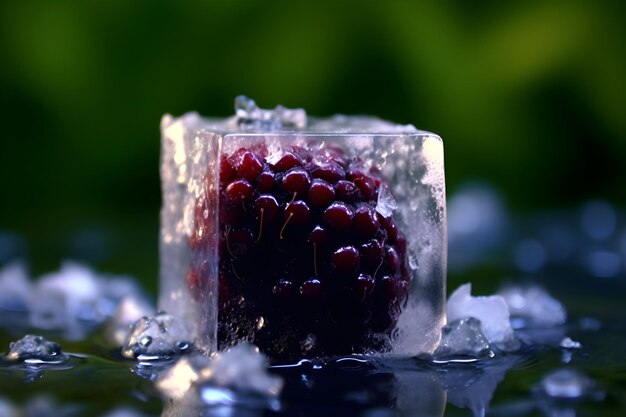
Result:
pixel 284 225
pixel 227 232
pixel 260 226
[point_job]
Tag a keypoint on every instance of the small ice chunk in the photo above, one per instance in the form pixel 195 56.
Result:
pixel 7 409
pixel 65 297
pixel 15 293
pixel 463 340
pixel 386 203
pixel 534 305
pixel 157 338
pixel 128 311
pixel 568 343
pixel 35 349
pixel 566 383
pixel 492 311
pixel 242 369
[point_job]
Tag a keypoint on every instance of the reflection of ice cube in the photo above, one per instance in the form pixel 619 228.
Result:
pixel 462 340
pixel 492 311
pixel 534 305
pixel 565 383
pixel 156 338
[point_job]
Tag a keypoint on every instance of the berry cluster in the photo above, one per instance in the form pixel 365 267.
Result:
pixel 307 266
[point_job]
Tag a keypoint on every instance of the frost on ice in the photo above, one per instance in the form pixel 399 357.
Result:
pixel 228 378
pixel 492 311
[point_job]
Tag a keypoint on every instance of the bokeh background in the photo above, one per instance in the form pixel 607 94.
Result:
pixel 529 97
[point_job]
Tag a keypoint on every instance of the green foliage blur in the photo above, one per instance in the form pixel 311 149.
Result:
pixel 529 95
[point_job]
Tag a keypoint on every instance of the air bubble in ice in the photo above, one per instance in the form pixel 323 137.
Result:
pixel 250 116
pixel 156 338
pixel 35 349
pixel 568 343
pixel 386 203
pixel 492 311
pixel 461 341
pixel 533 305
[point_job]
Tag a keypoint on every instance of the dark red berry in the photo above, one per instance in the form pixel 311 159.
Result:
pixel 238 191
pixel 364 286
pixel 266 181
pixel 266 208
pixel 329 171
pixel 287 161
pixel 284 289
pixel 367 186
pixel 339 216
pixel 250 166
pixel 298 213
pixel 347 191
pixel 366 223
pixel 318 236
pixel 371 254
pixel 346 260
pixel 239 242
pixel 296 181
pixel 311 289
pixel 321 193
pixel 392 259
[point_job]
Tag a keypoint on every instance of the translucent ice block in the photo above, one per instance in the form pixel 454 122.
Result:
pixel 303 236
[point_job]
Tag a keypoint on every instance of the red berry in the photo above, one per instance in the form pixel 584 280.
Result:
pixel 287 161
pixel 250 166
pixel 346 260
pixel 296 181
pixel 321 193
pixel 339 216
pixel 238 191
pixel 311 289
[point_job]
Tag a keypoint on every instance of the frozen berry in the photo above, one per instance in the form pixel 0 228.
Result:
pixel 301 245
pixel 238 191
pixel 339 216
pixel 250 166
pixel 296 181
pixel 346 260
pixel 321 193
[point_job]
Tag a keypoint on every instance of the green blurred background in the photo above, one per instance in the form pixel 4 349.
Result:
pixel 530 96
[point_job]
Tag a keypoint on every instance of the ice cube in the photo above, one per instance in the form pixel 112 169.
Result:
pixel 35 350
pixel 463 340
pixel 128 311
pixel 217 239
pixel 533 305
pixel 15 295
pixel 8 409
pixel 492 311
pixel 566 383
pixel 157 338
pixel 568 343
pixel 64 298
pixel 241 369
